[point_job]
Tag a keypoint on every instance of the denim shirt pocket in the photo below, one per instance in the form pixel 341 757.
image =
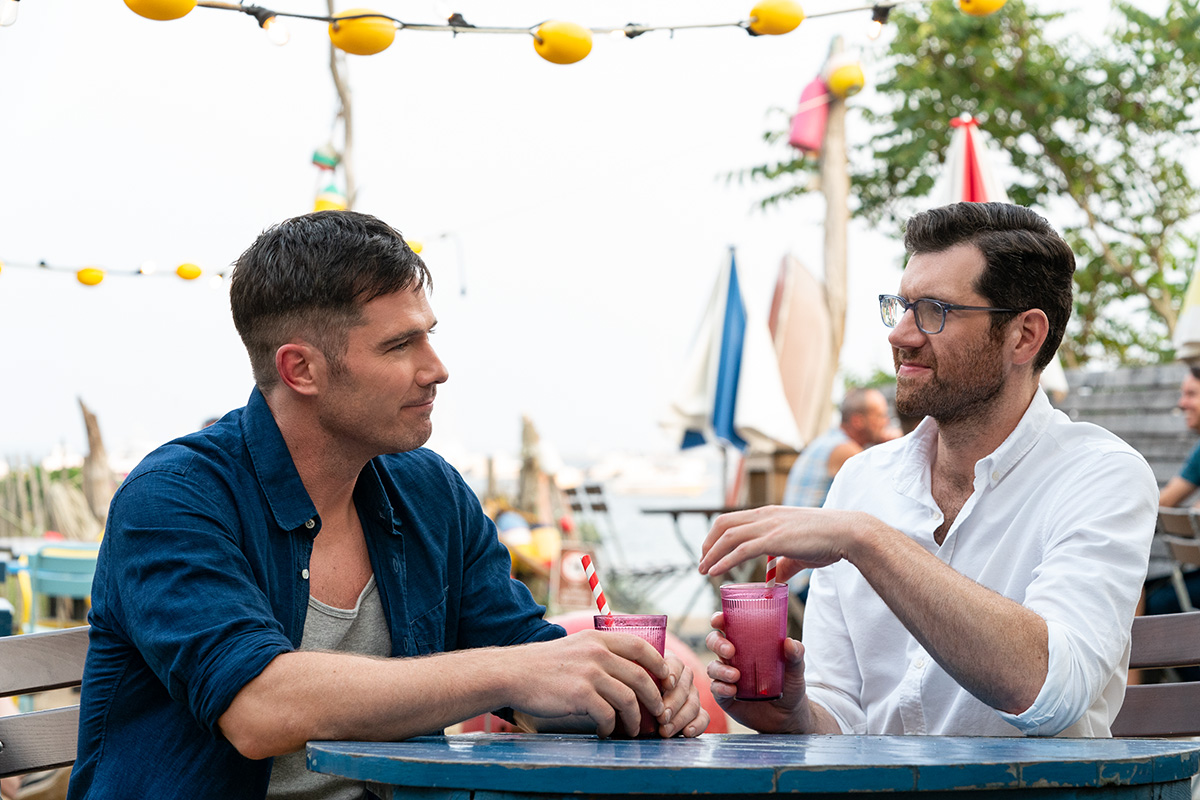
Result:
pixel 428 629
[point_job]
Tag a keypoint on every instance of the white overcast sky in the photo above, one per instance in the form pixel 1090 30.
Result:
pixel 587 200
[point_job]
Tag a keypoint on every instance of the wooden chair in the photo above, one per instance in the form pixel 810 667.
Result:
pixel 1162 709
pixel 38 662
pixel 1178 528
pixel 63 570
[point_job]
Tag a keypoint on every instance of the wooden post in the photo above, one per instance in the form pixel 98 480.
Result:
pixel 835 185
pixel 98 485
pixel 337 61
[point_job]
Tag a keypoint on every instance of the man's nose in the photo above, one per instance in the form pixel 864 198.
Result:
pixel 433 371
pixel 906 334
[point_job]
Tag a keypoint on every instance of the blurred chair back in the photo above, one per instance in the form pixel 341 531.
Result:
pixel 1162 709
pixel 63 570
pixel 36 662
pixel 1178 527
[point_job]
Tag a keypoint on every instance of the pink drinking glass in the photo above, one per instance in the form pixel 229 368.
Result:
pixel 756 624
pixel 650 627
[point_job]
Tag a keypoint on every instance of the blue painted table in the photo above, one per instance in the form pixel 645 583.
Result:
pixel 544 767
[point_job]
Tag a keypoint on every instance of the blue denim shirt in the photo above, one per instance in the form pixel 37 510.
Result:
pixel 202 580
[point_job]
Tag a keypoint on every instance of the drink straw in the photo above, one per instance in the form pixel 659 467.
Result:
pixel 594 582
pixel 771 571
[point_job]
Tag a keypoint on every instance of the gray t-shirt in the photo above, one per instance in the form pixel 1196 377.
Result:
pixel 362 630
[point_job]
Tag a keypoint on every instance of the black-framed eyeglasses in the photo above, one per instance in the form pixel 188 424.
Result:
pixel 930 315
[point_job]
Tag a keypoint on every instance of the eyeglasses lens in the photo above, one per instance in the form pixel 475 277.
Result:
pixel 930 316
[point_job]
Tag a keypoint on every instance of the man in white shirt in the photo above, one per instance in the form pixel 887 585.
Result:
pixel 980 575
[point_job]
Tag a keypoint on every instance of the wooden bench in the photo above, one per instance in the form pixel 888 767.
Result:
pixel 38 662
pixel 1162 709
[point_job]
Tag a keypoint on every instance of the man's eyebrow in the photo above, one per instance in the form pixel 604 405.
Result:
pixel 401 336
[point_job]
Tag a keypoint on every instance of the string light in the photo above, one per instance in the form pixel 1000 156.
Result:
pixel 93 276
pixel 879 18
pixel 8 12
pixel 366 32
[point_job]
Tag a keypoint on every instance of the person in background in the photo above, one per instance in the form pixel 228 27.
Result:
pixel 304 569
pixel 978 576
pixel 1181 486
pixel 1160 593
pixel 865 422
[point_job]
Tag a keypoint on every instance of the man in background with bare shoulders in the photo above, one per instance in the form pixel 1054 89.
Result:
pixel 978 576
pixel 304 569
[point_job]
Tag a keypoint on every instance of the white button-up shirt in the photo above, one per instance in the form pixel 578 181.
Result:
pixel 1060 521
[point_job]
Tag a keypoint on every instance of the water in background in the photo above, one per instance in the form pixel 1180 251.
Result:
pixel 646 540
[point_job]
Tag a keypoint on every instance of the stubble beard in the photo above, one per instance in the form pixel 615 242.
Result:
pixel 955 395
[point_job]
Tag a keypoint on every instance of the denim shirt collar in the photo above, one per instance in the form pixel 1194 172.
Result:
pixel 276 471
pixel 285 493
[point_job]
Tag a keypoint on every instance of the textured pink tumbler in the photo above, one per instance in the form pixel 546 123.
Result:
pixel 756 624
pixel 652 628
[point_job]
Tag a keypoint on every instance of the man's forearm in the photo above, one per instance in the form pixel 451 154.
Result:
pixel 302 696
pixel 995 648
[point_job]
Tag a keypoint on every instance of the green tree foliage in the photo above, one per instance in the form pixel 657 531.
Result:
pixel 1097 133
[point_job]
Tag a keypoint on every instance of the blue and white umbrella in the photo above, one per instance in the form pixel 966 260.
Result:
pixel 732 393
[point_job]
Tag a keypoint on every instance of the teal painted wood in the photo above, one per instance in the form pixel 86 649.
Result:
pixel 518 766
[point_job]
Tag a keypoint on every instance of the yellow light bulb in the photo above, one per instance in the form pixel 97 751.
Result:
pixel 845 76
pixel 189 272
pixel 362 37
pixel 161 9
pixel 562 42
pixel 775 17
pixel 89 276
pixel 981 8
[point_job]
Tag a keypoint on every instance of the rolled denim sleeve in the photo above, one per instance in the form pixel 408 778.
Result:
pixel 182 591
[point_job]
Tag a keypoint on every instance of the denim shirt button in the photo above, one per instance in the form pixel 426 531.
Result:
pixel 310 524
pixel 304 574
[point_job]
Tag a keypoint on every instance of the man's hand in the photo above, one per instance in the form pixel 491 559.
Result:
pixel 791 713
pixel 589 680
pixel 683 713
pixel 802 537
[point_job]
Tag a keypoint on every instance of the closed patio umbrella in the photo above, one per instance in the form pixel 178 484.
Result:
pixel 969 177
pixel 731 393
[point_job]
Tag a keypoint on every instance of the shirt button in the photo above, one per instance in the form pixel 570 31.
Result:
pixel 996 475
pixel 310 524
pixel 304 574
pixel 919 663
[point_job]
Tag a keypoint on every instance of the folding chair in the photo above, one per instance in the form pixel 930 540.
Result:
pixel 1178 529
pixel 37 662
pixel 1162 709
pixel 63 570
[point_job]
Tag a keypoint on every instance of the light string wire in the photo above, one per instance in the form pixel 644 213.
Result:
pixel 631 30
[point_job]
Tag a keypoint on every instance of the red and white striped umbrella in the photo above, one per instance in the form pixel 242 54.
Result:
pixel 969 176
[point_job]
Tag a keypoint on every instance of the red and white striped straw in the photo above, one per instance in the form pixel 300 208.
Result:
pixel 771 571
pixel 594 582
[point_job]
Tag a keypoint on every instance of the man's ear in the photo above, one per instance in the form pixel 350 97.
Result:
pixel 1030 329
pixel 301 367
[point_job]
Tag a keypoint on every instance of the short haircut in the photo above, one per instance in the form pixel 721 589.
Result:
pixel 308 278
pixel 855 402
pixel 1027 264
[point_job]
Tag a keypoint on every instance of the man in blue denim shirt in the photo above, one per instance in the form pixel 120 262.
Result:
pixel 257 575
